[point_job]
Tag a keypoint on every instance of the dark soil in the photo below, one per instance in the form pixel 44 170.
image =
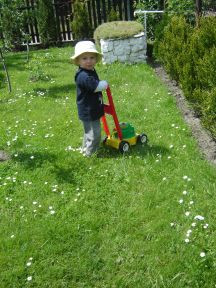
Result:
pixel 204 139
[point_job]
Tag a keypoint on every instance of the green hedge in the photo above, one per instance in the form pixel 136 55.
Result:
pixel 189 56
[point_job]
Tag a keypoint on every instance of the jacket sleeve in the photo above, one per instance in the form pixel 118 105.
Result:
pixel 87 82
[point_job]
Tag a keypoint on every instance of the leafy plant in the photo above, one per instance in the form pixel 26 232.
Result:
pixel 184 8
pixel 36 69
pixel 12 23
pixel 152 19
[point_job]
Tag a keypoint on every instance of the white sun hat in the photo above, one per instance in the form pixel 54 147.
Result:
pixel 84 47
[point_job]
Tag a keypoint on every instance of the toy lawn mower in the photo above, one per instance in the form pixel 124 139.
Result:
pixel 123 135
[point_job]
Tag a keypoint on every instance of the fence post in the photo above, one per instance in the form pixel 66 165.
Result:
pixel 104 10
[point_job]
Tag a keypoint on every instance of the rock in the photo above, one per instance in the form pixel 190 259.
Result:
pixel 130 50
pixel 4 156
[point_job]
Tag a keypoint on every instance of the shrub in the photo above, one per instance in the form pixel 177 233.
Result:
pixel 81 27
pixel 207 108
pixel 46 23
pixel 12 22
pixel 172 52
pixel 36 69
pixel 152 19
pixel 113 15
pixel 189 55
pixel 182 8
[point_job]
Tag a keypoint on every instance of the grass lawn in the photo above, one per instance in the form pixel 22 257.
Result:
pixel 142 220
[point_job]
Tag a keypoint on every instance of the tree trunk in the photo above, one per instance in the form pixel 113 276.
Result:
pixel 198 4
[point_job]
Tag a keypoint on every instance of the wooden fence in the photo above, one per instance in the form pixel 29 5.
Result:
pixel 98 11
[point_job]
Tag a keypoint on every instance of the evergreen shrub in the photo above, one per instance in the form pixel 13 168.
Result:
pixel 189 56
pixel 172 48
pixel 81 27
pixel 46 23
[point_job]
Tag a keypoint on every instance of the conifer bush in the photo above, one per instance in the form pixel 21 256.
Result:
pixel 81 27
pixel 46 23
pixel 189 56
pixel 172 48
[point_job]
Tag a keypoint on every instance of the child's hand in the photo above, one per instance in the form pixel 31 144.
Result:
pixel 102 85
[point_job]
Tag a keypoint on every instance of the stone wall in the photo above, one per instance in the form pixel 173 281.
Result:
pixel 129 50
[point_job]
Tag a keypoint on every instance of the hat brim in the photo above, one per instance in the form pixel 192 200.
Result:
pixel 74 58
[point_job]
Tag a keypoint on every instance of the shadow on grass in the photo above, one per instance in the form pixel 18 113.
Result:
pixel 137 150
pixel 65 174
pixel 16 61
pixel 35 159
pixel 56 91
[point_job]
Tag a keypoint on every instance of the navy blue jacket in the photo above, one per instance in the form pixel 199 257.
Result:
pixel 89 103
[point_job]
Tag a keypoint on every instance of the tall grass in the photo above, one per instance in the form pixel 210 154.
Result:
pixel 146 219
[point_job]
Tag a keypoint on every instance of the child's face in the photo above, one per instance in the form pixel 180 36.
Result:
pixel 87 60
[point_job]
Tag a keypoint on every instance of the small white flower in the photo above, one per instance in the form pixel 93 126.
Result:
pixel 12 236
pixel 181 201
pixel 199 217
pixel 185 177
pixel 205 226
pixel 31 258
pixel 50 207
pixel 172 224
pixel 187 240
pixel 187 213
pixel 29 278
pixel 191 202
pixel 193 224
pixel 169 157
pixel 32 157
pixel 184 192
pixel 75 199
pixel 189 232
pixel 45 183
pixel 21 207
pixel 52 212
pixel 171 146
pixel 202 254
pixel 34 202
pixel 164 178
pixel 28 264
